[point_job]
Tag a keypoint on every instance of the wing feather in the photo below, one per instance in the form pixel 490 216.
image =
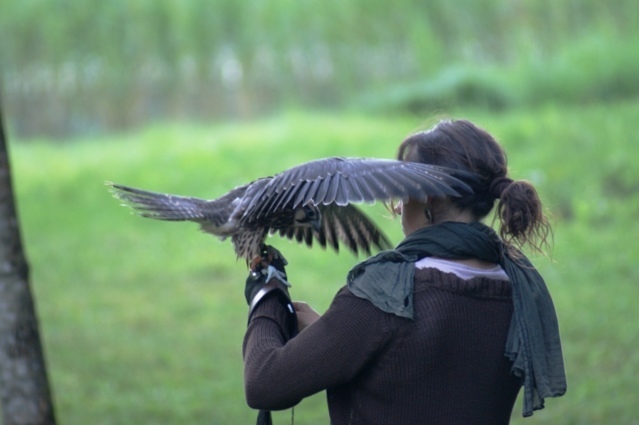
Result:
pixel 355 194
pixel 313 187
pixel 343 193
pixel 328 229
pixel 281 200
pixel 305 188
pixel 331 191
pixel 341 225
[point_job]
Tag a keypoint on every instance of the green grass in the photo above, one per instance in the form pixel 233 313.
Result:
pixel 143 321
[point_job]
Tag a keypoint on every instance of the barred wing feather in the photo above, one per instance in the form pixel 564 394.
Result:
pixel 352 180
pixel 346 225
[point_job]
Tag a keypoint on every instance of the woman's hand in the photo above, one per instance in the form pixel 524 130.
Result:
pixel 305 315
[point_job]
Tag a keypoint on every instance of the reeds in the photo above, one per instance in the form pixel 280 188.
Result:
pixel 77 67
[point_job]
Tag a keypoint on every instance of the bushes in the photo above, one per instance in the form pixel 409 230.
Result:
pixel 86 67
pixel 591 71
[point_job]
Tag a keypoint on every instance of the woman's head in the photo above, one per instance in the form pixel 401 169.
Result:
pixel 461 145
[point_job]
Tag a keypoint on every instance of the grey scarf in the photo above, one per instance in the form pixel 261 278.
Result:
pixel 533 343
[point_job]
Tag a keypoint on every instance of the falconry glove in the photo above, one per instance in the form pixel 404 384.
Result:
pixel 266 279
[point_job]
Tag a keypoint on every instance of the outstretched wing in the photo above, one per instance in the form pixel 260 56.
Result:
pixel 347 225
pixel 343 181
pixel 214 216
pixel 331 184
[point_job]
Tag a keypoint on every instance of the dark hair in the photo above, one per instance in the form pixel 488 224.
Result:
pixel 461 145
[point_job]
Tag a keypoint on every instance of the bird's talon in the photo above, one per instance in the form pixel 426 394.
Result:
pixel 255 262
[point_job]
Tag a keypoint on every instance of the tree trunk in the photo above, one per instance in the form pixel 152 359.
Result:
pixel 25 397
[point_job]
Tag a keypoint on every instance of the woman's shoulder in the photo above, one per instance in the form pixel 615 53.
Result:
pixel 348 303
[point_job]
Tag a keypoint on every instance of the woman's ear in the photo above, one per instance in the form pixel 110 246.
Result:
pixel 429 215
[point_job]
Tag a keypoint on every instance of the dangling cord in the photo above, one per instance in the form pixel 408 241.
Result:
pixel 293 415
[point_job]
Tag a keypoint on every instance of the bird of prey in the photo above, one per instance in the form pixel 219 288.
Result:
pixel 309 201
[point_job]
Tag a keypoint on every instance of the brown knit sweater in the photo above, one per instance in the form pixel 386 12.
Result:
pixel 446 366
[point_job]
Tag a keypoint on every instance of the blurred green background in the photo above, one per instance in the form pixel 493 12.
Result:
pixel 143 321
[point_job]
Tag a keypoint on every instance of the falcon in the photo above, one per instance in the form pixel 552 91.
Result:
pixel 311 201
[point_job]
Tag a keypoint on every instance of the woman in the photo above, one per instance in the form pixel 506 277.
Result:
pixel 445 329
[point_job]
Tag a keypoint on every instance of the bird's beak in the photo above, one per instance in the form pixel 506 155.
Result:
pixel 317 225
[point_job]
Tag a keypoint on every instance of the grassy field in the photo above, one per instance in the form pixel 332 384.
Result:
pixel 143 321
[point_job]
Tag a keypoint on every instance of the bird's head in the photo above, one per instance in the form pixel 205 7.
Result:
pixel 308 216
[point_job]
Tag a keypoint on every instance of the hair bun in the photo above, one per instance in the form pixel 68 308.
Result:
pixel 498 185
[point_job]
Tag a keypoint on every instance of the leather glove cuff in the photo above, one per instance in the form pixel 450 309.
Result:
pixel 272 287
pixel 275 286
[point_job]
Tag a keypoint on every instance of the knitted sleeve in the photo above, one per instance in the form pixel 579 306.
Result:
pixel 330 352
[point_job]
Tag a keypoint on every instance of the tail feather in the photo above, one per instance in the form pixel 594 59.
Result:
pixel 159 206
